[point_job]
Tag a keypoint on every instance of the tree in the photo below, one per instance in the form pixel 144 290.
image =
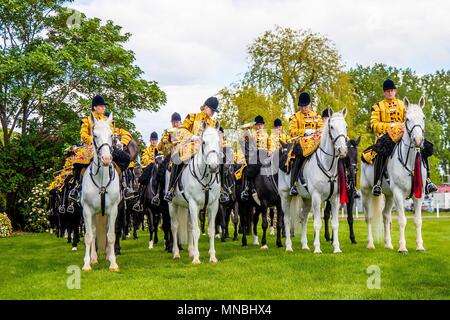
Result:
pixel 49 71
pixel 285 62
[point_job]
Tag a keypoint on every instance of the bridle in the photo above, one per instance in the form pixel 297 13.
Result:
pixel 334 155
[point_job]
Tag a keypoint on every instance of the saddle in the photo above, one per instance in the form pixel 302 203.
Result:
pixel 370 154
pixel 188 149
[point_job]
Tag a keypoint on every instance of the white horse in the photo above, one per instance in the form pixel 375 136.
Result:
pixel 100 196
pixel 400 169
pixel 320 173
pixel 201 189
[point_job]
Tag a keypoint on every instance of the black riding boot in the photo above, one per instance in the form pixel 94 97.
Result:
pixel 128 192
pixel 430 187
pixel 138 205
pixel 173 178
pixel 294 174
pixel 378 175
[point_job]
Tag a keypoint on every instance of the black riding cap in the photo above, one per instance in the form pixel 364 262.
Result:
pixel 389 84
pixel 304 99
pixel 213 103
pixel 176 117
pixel 154 136
pixel 98 101
pixel 259 119
pixel 277 123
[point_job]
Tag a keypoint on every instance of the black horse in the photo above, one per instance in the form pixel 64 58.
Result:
pixel 228 205
pixel 351 169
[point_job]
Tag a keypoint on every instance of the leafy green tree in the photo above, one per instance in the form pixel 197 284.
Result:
pixel 284 62
pixel 49 71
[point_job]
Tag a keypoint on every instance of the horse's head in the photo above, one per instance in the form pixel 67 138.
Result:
pixel 337 131
pixel 415 121
pixel 352 156
pixel 102 136
pixel 211 148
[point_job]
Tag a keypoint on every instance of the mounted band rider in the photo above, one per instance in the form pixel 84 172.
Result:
pixel 303 123
pixel 188 136
pixel 387 121
pixel 84 155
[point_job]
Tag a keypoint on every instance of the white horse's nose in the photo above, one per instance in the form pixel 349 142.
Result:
pixel 418 140
pixel 106 160
pixel 343 152
pixel 214 167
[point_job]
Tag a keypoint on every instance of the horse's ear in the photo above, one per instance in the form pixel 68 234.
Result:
pixel 204 125
pixel 406 102
pixel 109 121
pixel 344 112
pixel 422 102
pixel 357 141
pixel 217 125
pixel 330 112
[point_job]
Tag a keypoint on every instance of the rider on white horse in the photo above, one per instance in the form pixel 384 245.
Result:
pixel 303 123
pixel 387 114
pixel 191 130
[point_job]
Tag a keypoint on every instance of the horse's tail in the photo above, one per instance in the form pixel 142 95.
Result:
pixel 296 214
pixel 183 225
pixel 100 226
pixel 375 213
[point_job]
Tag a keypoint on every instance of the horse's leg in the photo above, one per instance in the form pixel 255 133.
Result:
pixel 305 213
pixel 255 225
pixel 335 223
pixel 389 203
pixel 212 211
pixel 88 238
pixel 157 218
pixel 280 218
pixel 174 225
pixel 202 220
pixel 351 201
pixel 265 225
pixel 166 228
pixel 326 218
pixel 111 238
pixel 315 197
pixel 193 215
pixel 418 223
pixel 150 222
pixel 272 217
pixel 366 199
pixel 235 221
pixel 94 256
pixel 398 196
pixel 243 216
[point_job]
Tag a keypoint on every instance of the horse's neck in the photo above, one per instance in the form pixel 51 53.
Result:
pixel 329 162
pixel 408 153
pixel 100 174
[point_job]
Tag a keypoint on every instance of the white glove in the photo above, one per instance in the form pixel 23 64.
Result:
pixel 309 132
pixel 195 138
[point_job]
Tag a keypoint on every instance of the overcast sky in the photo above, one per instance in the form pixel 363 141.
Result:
pixel 194 48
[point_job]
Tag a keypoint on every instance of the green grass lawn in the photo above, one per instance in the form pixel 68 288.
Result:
pixel 33 266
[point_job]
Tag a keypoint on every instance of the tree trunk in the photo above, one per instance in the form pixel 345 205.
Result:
pixel 11 209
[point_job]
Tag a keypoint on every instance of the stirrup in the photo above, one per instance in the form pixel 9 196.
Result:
pixel 245 195
pixel 156 201
pixel 224 197
pixel 168 196
pixel 293 191
pixel 70 208
pixel 74 195
pixel 376 190
pixel 128 194
pixel 138 207
pixel 430 187
pixel 61 210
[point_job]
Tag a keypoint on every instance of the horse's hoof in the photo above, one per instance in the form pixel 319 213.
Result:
pixel 354 242
pixel 265 247
pixel 389 246
pixel 74 249
pixel 217 236
pixel 279 245
pixel 317 251
pixel 94 262
pixel 272 231
pixel 114 269
pixel 371 246
pixel 87 269
pixel 403 251
pixel 289 249
pixel 176 256
pixel 196 261
pixel 235 239
pixel 213 260
pixel 306 248
pixel 337 251
pixel 150 245
pixel 421 249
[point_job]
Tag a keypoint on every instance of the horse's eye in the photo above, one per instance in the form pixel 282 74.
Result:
pixel 332 128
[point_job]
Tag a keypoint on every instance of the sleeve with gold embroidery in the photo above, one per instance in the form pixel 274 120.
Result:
pixel 376 124
pixel 148 156
pixel 125 136
pixel 270 144
pixel 294 130
pixel 185 131
pixel 165 139
pixel 402 111
pixel 85 132
pixel 319 122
